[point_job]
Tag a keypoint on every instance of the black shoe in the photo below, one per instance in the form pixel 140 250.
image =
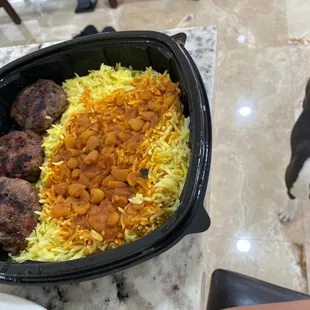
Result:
pixel 90 29
pixel 108 29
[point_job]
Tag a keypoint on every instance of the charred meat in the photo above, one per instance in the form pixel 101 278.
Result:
pixel 39 105
pixel 21 155
pixel 18 201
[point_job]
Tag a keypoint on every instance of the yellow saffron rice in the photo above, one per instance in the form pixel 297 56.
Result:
pixel 164 151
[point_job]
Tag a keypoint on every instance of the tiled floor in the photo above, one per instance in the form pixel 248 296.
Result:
pixel 260 82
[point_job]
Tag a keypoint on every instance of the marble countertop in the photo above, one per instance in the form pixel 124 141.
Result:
pixel 173 280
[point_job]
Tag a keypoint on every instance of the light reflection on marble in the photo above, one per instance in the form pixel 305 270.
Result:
pixel 283 262
pixel 258 79
pixel 243 245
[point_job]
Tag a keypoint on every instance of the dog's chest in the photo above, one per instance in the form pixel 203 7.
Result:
pixel 300 188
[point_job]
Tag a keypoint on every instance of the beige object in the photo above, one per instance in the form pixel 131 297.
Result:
pixel 294 305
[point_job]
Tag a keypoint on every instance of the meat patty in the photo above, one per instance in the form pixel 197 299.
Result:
pixel 21 155
pixel 18 201
pixel 39 105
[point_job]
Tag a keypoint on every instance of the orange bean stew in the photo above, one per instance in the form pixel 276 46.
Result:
pixel 101 167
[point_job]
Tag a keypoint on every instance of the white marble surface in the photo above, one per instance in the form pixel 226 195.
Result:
pixel 173 280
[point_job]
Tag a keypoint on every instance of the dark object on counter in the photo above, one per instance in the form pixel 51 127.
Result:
pixel 138 49
pixel 8 8
pixel 18 201
pixel 21 155
pixel 84 6
pixel 90 29
pixel 37 106
pixel 113 4
pixel 108 29
pixel 230 289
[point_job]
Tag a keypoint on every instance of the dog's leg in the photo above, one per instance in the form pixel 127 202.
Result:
pixel 289 211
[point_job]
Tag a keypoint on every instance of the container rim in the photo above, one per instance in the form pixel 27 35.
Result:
pixel 175 228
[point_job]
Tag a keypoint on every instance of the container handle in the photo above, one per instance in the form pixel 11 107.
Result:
pixel 180 38
pixel 200 223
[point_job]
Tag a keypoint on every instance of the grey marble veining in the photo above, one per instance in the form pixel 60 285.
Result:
pixel 172 281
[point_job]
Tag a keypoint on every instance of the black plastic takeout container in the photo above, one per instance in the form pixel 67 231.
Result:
pixel 138 49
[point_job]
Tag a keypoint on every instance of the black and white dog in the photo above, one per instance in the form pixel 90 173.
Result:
pixel 297 176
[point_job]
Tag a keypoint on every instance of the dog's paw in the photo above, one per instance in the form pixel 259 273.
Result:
pixel 286 215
